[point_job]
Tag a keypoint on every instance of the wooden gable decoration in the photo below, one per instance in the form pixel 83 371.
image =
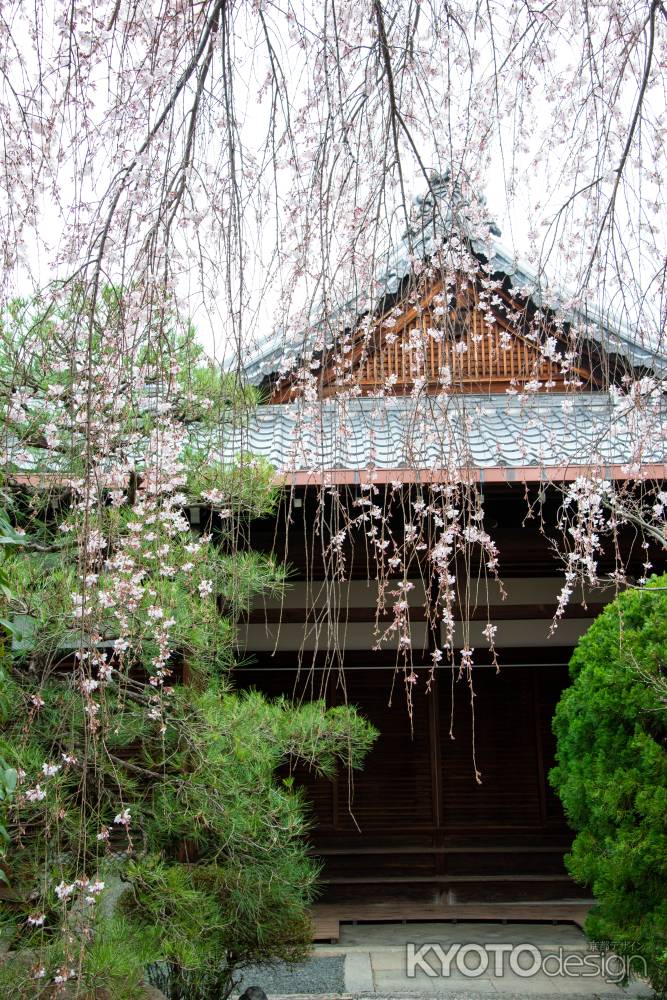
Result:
pixel 443 342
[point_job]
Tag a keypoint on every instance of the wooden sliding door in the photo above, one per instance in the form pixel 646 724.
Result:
pixel 452 803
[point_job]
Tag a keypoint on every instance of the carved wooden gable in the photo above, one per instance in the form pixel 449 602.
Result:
pixel 457 341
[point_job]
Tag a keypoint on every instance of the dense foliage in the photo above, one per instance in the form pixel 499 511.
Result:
pixel 148 830
pixel 611 774
pixel 210 869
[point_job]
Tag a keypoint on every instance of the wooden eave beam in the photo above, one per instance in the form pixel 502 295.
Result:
pixel 349 614
pixel 491 474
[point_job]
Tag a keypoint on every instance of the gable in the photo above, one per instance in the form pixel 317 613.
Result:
pixel 497 342
pixel 458 340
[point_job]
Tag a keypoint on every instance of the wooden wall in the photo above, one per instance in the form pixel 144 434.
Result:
pixel 415 823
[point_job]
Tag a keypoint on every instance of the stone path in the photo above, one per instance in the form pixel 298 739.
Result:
pixel 464 961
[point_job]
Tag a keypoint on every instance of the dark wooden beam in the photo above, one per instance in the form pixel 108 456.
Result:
pixel 351 615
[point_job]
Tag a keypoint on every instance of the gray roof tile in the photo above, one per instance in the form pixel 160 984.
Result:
pixel 431 432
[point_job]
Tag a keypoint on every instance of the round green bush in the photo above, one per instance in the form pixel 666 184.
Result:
pixel 611 774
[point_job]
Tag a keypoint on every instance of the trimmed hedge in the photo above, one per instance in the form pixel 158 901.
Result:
pixel 611 774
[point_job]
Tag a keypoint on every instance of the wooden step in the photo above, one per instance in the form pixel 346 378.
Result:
pixel 326 927
pixel 562 910
pixel 326 852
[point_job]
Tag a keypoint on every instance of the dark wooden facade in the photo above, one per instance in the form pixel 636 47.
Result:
pixel 416 824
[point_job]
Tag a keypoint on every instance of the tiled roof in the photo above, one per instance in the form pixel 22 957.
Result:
pixel 449 432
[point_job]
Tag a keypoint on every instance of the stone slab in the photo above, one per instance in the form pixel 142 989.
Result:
pixel 359 972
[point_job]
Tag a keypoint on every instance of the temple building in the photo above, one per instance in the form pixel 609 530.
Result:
pixel 438 446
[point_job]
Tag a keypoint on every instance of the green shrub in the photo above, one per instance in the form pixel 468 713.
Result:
pixel 144 826
pixel 219 875
pixel 611 774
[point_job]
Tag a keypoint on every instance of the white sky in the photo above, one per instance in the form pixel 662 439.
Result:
pixel 517 220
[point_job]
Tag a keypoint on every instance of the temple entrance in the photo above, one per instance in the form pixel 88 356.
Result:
pixel 415 825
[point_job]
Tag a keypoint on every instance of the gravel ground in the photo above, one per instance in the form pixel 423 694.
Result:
pixel 318 975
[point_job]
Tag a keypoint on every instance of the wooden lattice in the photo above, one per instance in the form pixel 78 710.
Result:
pixel 442 343
pixel 465 358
